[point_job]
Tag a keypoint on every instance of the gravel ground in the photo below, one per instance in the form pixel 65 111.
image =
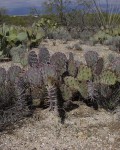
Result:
pixel 84 129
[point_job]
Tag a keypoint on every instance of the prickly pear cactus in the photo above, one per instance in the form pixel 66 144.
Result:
pixel 24 60
pixel 34 76
pixel 108 77
pixel 72 83
pixel 49 71
pixel 20 90
pixel 84 73
pixel 17 52
pixel 66 92
pixel 72 69
pixel 17 110
pixel 13 73
pixel 75 85
pixel 37 95
pixel 2 76
pixel 91 58
pixel 98 67
pixel 59 60
pixel 32 59
pixel 83 89
pixel 44 55
pixel 4 97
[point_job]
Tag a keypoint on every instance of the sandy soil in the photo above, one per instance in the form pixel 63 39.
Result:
pixel 84 127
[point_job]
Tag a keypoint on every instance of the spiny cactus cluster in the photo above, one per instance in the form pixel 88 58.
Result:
pixel 95 82
pixel 13 36
pixel 12 96
pixel 53 81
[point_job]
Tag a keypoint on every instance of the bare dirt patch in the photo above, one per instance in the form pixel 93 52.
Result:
pixel 84 129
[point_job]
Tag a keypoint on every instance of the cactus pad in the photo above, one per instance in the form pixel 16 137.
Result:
pixel 83 89
pixel 72 83
pixel 49 72
pixel 44 55
pixel 66 92
pixel 2 75
pixel 32 59
pixel 59 60
pixel 98 67
pixel 34 76
pixel 108 77
pixel 72 69
pixel 13 73
pixel 84 73
pixel 91 58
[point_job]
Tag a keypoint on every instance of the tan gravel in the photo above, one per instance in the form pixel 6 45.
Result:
pixel 84 129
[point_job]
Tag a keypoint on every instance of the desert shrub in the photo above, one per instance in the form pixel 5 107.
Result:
pixel 86 34
pixel 70 47
pixel 113 43
pixel 111 58
pixel 100 37
pixel 60 33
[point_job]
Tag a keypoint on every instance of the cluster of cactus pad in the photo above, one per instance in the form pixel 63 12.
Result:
pixel 13 36
pixel 51 81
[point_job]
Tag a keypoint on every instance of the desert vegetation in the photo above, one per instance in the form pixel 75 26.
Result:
pixel 36 77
